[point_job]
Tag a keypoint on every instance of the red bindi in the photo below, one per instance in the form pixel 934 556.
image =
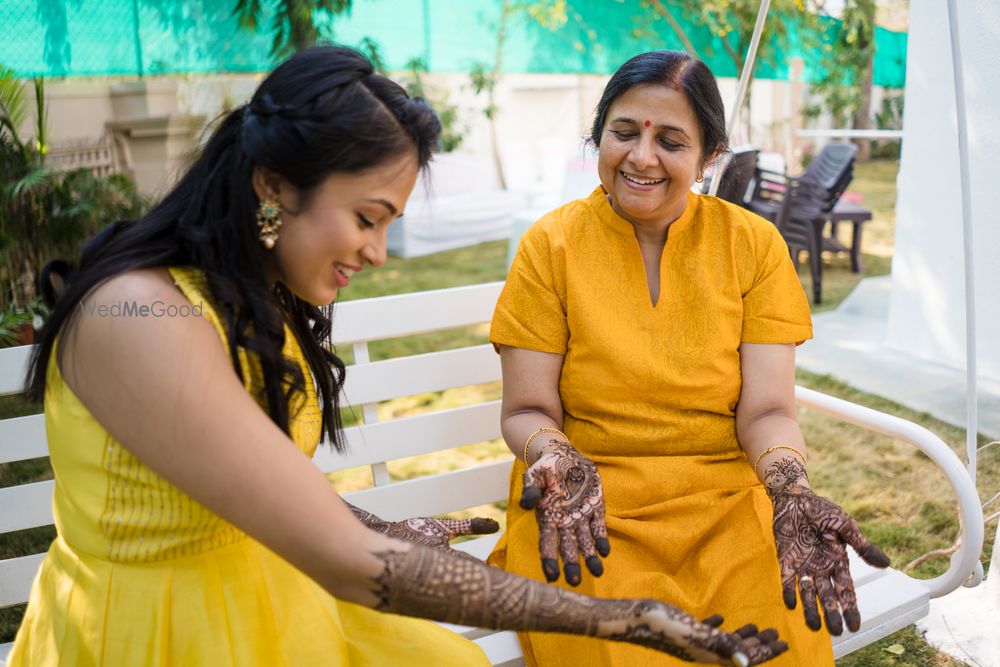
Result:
pixel 648 123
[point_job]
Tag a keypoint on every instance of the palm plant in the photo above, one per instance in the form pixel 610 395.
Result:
pixel 45 214
pixel 24 181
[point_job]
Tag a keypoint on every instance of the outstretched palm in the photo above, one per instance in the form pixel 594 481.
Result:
pixel 811 534
pixel 566 488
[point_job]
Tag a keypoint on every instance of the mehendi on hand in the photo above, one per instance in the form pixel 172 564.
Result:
pixel 430 531
pixel 811 534
pixel 432 583
pixel 566 488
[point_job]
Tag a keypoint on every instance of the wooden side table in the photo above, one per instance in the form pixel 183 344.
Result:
pixel 845 211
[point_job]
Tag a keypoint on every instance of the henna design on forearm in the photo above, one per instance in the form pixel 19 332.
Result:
pixel 432 532
pixel 434 584
pixel 566 488
pixel 811 534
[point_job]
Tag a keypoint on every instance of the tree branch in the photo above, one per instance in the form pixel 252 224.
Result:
pixel 676 27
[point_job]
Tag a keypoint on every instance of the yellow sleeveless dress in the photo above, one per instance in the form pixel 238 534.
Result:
pixel 649 393
pixel 141 574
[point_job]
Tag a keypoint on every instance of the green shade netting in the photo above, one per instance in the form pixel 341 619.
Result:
pixel 57 38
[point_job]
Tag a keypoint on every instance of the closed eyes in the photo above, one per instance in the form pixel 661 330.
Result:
pixel 625 135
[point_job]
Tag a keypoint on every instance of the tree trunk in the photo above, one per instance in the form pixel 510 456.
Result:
pixel 303 30
pixel 863 114
pixel 495 76
pixel 677 28
pixel 865 17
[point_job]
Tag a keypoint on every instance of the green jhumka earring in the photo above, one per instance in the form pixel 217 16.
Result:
pixel 269 221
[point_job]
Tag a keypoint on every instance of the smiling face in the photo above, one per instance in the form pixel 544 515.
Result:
pixel 650 154
pixel 341 228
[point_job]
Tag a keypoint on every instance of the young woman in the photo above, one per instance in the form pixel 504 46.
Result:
pixel 647 337
pixel 187 383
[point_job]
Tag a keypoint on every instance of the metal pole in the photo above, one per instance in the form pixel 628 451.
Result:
pixel 972 394
pixel 741 90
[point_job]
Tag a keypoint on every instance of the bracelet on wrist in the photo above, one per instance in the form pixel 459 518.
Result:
pixel 544 429
pixel 767 451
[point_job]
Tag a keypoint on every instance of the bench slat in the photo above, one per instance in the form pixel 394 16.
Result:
pixel 861 572
pixel 26 506
pixel 16 575
pixel 437 494
pixel 421 373
pixel 887 604
pixel 502 649
pixel 414 313
pixel 411 436
pixel 22 438
pixel 13 364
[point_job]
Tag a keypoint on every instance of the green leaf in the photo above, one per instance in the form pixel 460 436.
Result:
pixel 371 48
pixel 35 179
pixel 895 649
pixel 13 109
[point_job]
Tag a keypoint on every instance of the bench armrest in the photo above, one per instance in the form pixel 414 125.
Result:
pixel 965 565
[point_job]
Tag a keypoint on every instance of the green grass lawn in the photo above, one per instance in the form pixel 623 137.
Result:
pixel 890 488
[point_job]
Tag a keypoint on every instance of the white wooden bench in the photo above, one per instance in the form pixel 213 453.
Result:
pixel 888 599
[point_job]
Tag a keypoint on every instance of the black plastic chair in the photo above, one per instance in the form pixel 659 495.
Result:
pixel 737 176
pixel 799 206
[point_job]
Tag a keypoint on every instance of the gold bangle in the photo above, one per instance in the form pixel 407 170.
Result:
pixel 544 429
pixel 774 449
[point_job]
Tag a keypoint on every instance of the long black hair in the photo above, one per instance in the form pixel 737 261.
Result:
pixel 323 111
pixel 678 70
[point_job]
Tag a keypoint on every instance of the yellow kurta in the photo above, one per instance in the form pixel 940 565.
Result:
pixel 141 574
pixel 649 394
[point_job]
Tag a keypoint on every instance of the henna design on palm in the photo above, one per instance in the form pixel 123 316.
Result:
pixel 811 534
pixel 566 489
pixel 429 531
pixel 431 583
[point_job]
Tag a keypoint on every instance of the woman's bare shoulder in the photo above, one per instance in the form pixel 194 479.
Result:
pixel 131 314
pixel 139 284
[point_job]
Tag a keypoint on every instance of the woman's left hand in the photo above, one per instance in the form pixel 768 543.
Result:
pixel 430 531
pixel 439 533
pixel 812 534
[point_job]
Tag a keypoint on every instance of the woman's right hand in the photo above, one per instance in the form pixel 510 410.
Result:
pixel 416 580
pixel 670 630
pixel 565 490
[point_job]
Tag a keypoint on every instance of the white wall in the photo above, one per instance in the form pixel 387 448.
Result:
pixel 926 316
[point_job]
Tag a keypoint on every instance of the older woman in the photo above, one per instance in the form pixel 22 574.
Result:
pixel 647 336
